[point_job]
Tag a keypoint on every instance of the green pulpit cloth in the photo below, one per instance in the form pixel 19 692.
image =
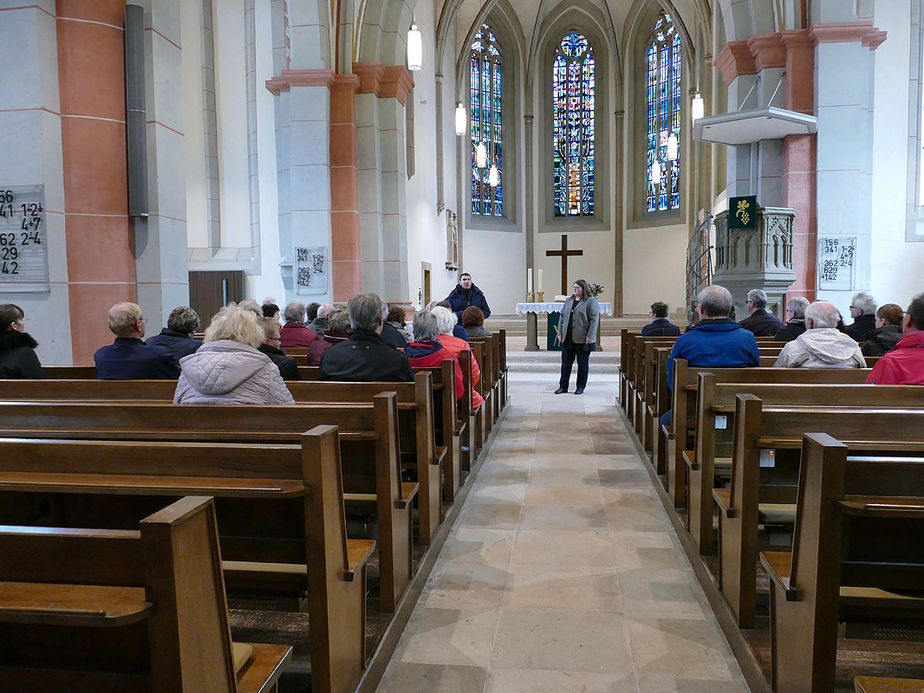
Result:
pixel 552 341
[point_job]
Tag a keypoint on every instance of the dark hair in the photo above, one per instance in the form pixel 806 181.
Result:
pixel 916 311
pixel 9 313
pixel 472 317
pixel 890 314
pixel 395 314
pixel 585 286
pixel 659 309
pixel 464 274
pixel 183 319
pixel 312 311
pixel 270 310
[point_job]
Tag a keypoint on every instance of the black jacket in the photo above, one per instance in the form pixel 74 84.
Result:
pixel 460 299
pixel 288 369
pixel 880 341
pixel 861 327
pixel 176 343
pixel 365 357
pixel 17 356
pixel 790 330
pixel 392 337
pixel 129 358
pixel 660 327
pixel 762 324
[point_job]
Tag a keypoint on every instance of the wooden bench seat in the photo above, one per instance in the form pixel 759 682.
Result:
pixel 854 555
pixel 99 611
pixel 879 684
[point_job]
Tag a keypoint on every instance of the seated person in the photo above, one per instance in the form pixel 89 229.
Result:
pixel 473 322
pixel 715 340
pixel 457 330
pixel 270 310
pixel 822 345
pixel 228 369
pixel 320 324
pixel 396 319
pixel 288 369
pixel 427 350
pixel 904 364
pixel 338 331
pixel 176 336
pixel 251 305
pixel 888 331
pixel 295 333
pixel 863 312
pixel 795 309
pixel 760 322
pixel 364 356
pixel 660 326
pixel 17 347
pixel 446 321
pixel 129 358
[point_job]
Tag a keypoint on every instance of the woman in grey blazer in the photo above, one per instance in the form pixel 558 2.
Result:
pixel 577 331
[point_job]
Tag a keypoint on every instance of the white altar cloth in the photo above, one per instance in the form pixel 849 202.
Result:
pixel 555 307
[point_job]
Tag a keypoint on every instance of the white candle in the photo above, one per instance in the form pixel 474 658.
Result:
pixel 539 281
pixel 529 280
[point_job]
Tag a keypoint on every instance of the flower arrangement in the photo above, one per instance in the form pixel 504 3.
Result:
pixel 595 289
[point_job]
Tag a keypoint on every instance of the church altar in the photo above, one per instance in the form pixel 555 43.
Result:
pixel 530 310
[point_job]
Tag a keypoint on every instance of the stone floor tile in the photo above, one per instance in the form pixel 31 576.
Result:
pixel 564 496
pixel 493 514
pixel 547 587
pixel 458 584
pixel 676 683
pixel 590 548
pixel 540 517
pixel 545 681
pixel 489 547
pixel 405 677
pixel 449 636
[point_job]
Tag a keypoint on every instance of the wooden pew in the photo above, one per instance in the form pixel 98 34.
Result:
pixel 502 365
pixel 99 610
pixel 878 684
pixel 69 372
pixel 280 515
pixel 481 417
pixel 717 399
pixel 368 436
pixel 451 432
pixel 759 428
pixel 856 551
pixel 300 354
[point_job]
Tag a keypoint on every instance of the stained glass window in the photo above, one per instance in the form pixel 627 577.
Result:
pixel 485 107
pixel 573 74
pixel 663 110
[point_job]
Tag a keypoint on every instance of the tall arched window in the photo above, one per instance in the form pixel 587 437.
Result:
pixel 486 105
pixel 573 73
pixel 663 101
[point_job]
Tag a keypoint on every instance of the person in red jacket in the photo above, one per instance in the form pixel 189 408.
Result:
pixel 426 350
pixel 904 364
pixel 338 330
pixel 295 333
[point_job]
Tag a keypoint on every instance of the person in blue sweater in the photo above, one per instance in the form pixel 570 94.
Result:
pixel 467 294
pixel 716 340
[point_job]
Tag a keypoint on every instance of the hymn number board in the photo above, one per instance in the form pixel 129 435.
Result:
pixel 837 262
pixel 23 247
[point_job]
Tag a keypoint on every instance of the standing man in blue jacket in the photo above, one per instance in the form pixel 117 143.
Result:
pixel 716 340
pixel 467 294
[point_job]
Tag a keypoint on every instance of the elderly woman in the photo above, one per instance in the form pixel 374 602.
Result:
pixel 338 331
pixel 175 337
pixel 228 369
pixel 426 349
pixel 473 322
pixel 578 324
pixel 17 347
pixel 888 331
pixel 446 321
pixel 288 369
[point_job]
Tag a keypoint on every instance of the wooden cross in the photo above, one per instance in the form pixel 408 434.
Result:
pixel 564 253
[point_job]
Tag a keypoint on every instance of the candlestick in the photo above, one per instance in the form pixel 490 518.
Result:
pixel 529 280
pixel 539 282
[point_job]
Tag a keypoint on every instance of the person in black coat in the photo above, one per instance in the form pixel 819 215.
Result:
pixel 660 326
pixel 863 312
pixel 888 331
pixel 467 294
pixel 760 322
pixel 365 357
pixel 176 336
pixel 271 346
pixel 129 358
pixel 17 347
pixel 795 326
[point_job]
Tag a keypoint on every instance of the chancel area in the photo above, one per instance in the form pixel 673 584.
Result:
pixel 291 292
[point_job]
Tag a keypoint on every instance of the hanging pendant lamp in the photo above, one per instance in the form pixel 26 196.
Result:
pixel 414 48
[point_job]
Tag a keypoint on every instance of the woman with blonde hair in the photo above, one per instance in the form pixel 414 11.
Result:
pixel 228 368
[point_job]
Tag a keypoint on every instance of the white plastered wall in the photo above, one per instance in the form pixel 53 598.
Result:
pixel 653 262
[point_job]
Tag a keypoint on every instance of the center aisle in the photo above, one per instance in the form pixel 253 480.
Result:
pixel 562 572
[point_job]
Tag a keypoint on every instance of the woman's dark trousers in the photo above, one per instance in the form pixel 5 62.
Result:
pixel 567 361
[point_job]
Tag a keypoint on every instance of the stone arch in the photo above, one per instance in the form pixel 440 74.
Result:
pixel 383 31
pixel 744 19
pixel 307 34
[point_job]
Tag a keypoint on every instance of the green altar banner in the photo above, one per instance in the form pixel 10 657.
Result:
pixel 552 341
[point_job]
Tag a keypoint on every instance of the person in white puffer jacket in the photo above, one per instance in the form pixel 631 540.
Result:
pixel 822 345
pixel 227 368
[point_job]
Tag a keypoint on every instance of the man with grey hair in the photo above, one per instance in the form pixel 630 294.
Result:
pixel 321 323
pixel 295 333
pixel 365 357
pixel 863 311
pixel 822 345
pixel 795 310
pixel 760 322
pixel 716 340
pixel 176 337
pixel 129 358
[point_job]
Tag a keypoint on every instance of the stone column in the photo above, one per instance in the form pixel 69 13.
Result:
pixel 345 239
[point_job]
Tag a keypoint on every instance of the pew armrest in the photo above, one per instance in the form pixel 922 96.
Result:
pixel 778 565
pixel 667 432
pixel 358 553
pixel 71 605
pixel 689 456
pixel 439 454
pixel 722 497
pixel 408 491
pixel 263 667
pixel 900 507
pixel 875 684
